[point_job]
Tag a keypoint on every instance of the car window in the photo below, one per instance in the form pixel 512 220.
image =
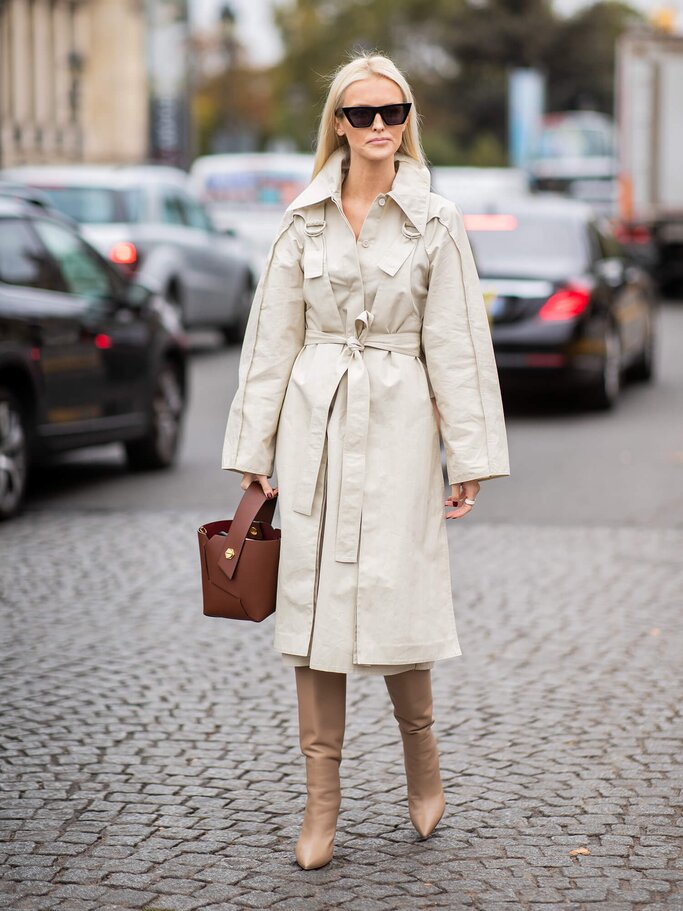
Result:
pixel 272 188
pixel 96 205
pixel 172 209
pixel 81 269
pixel 528 245
pixel 574 141
pixel 194 214
pixel 22 259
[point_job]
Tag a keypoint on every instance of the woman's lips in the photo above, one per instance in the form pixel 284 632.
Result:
pixel 383 139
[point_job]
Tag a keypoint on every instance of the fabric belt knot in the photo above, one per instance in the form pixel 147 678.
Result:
pixel 354 343
pixel 352 363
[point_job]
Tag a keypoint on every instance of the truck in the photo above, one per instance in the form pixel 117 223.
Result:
pixel 575 155
pixel 649 117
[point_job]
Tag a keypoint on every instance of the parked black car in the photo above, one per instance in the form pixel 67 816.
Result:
pixel 568 307
pixel 86 357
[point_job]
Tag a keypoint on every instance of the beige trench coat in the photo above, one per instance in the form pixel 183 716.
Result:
pixel 346 341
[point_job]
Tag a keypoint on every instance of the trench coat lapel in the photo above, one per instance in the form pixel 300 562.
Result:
pixel 410 189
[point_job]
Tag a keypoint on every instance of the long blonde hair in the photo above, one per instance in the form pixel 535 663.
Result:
pixel 361 67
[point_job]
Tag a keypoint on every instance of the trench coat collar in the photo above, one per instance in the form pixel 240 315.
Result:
pixel 410 189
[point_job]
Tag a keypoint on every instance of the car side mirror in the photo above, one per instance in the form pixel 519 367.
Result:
pixel 138 295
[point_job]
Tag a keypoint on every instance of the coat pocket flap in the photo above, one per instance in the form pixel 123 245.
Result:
pixel 394 258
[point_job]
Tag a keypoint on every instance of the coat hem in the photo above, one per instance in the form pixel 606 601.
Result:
pixel 365 669
pixel 407 653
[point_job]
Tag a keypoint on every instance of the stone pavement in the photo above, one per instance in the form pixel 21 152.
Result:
pixel 150 754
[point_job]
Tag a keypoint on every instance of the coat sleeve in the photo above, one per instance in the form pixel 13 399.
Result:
pixel 273 337
pixel 461 366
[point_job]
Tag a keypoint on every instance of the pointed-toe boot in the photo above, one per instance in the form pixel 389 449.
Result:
pixel 411 695
pixel 322 720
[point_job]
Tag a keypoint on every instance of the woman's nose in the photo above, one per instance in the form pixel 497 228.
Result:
pixel 378 123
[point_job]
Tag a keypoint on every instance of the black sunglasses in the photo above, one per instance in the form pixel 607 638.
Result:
pixel 391 114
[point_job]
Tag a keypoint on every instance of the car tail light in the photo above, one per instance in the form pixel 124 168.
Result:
pixel 546 359
pixel 633 234
pixel 566 303
pixel 124 254
pixel 490 222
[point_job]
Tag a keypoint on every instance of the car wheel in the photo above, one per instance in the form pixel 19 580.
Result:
pixel 159 447
pixel 14 454
pixel 605 392
pixel 174 299
pixel 643 368
pixel 234 332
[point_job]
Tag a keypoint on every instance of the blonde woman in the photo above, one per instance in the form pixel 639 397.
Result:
pixel 367 339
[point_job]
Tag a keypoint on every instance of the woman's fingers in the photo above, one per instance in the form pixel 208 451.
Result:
pixel 459 512
pixel 248 479
pixel 265 486
pixel 468 490
pixel 456 495
pixel 267 489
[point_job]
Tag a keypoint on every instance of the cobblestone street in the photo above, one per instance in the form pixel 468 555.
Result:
pixel 151 756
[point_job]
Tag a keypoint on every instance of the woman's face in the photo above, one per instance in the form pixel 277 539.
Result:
pixel 378 141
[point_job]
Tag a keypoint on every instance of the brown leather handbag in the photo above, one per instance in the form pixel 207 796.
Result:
pixel 239 559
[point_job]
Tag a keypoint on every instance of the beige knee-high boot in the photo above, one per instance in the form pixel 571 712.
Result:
pixel 322 721
pixel 411 695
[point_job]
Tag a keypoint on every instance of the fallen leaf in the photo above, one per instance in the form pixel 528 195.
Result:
pixel 579 851
pixel 655 631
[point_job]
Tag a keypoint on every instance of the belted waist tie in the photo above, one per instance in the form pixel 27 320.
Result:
pixel 357 421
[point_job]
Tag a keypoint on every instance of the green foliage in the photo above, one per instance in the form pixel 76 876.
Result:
pixel 581 57
pixel 441 148
pixel 456 54
pixel 487 151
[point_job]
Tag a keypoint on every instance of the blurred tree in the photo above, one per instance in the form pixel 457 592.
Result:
pixel 486 39
pixel 580 64
pixel 319 36
pixel 232 101
pixel 233 110
pixel 456 54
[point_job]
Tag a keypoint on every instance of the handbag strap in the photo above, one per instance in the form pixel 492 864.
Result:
pixel 253 505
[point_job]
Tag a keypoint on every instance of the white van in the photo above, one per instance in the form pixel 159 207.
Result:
pixel 247 193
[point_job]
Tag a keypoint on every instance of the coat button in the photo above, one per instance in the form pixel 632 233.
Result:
pixel 382 200
pixel 366 243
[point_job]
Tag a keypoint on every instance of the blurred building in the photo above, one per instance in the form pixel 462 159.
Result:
pixel 73 81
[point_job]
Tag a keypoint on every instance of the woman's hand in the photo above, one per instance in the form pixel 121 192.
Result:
pixel 248 477
pixel 469 490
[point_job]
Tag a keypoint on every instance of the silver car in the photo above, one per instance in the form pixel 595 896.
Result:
pixel 148 221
